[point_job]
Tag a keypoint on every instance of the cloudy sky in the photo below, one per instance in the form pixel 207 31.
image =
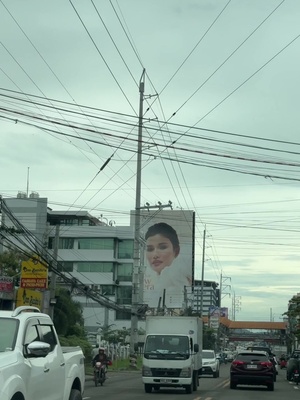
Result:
pixel 220 127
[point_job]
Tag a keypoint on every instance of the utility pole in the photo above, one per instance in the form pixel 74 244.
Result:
pixel 224 287
pixel 137 218
pixel 52 285
pixel 202 275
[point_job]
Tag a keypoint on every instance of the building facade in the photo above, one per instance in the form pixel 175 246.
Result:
pixel 210 298
pixel 95 253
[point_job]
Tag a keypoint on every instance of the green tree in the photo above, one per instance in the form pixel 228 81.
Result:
pixel 293 315
pixel 209 338
pixel 68 319
pixel 10 262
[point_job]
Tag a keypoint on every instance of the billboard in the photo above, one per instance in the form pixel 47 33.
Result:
pixel 34 274
pixel 167 256
pixel 214 317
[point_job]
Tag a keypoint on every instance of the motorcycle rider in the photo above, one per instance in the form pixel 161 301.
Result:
pixel 101 357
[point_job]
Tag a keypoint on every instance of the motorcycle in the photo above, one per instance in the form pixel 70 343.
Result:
pixel 295 376
pixel 99 373
pixel 282 363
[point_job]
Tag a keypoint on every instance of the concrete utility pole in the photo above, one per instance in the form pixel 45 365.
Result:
pixel 202 275
pixel 137 218
pixel 52 285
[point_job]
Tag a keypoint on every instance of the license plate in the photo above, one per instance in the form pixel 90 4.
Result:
pixel 296 375
pixel 166 380
pixel 251 366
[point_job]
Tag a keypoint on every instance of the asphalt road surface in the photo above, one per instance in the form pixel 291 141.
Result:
pixel 129 386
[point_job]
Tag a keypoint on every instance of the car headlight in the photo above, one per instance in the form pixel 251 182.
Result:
pixel 185 373
pixel 146 371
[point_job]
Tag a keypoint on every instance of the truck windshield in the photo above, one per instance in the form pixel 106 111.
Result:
pixel 167 347
pixel 8 334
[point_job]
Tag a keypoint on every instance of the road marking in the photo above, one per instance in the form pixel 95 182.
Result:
pixel 204 398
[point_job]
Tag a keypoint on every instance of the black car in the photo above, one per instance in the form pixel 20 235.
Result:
pixel 252 368
pixel 272 356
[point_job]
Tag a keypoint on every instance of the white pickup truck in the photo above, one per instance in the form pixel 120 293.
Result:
pixel 33 365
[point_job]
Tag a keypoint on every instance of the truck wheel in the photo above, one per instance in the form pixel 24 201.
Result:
pixel 148 388
pixel 195 381
pixel 75 395
pixel 271 386
pixel 189 389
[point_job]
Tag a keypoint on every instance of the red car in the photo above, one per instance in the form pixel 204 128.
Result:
pixel 252 368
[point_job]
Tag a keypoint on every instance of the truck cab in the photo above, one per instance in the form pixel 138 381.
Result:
pixel 172 353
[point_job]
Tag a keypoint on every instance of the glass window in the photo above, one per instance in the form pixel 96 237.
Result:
pixel 48 335
pixel 94 266
pixel 8 333
pixel 65 266
pixel 123 315
pixel 108 290
pixel 95 244
pixel 63 243
pixel 31 335
pixel 124 295
pixel 124 272
pixel 125 248
pixel 208 354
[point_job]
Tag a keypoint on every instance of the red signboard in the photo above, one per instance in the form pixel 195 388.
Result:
pixel 34 283
pixel 6 284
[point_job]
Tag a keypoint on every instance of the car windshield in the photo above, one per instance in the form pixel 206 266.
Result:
pixel 8 334
pixel 166 346
pixel 208 354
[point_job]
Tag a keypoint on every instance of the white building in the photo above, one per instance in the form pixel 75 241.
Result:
pixel 97 254
pixel 211 296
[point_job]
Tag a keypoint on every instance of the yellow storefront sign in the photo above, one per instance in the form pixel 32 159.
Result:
pixel 33 268
pixel 27 297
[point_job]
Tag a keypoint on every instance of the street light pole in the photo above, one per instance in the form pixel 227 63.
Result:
pixel 136 250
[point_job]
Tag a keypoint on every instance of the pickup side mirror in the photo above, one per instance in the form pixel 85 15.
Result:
pixel 196 348
pixel 38 349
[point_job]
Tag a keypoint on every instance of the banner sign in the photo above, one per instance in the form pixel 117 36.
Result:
pixel 6 284
pixel 27 297
pixel 34 275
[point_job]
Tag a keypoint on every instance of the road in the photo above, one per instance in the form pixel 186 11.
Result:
pixel 128 386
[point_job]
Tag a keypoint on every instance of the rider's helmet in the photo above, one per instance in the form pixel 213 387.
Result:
pixel 101 349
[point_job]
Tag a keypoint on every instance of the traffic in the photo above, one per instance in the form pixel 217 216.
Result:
pixel 125 385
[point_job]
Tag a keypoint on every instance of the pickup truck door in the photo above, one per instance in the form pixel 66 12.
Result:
pixel 56 379
pixel 37 385
pixel 46 374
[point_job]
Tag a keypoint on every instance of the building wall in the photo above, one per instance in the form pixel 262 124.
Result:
pixel 210 296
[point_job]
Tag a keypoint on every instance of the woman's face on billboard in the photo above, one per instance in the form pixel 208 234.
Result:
pixel 160 252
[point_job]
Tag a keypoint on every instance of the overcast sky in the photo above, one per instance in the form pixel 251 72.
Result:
pixel 220 134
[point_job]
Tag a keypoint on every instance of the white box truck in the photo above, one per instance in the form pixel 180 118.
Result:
pixel 172 352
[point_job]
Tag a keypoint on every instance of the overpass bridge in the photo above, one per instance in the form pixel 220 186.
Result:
pixel 245 331
pixel 239 331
